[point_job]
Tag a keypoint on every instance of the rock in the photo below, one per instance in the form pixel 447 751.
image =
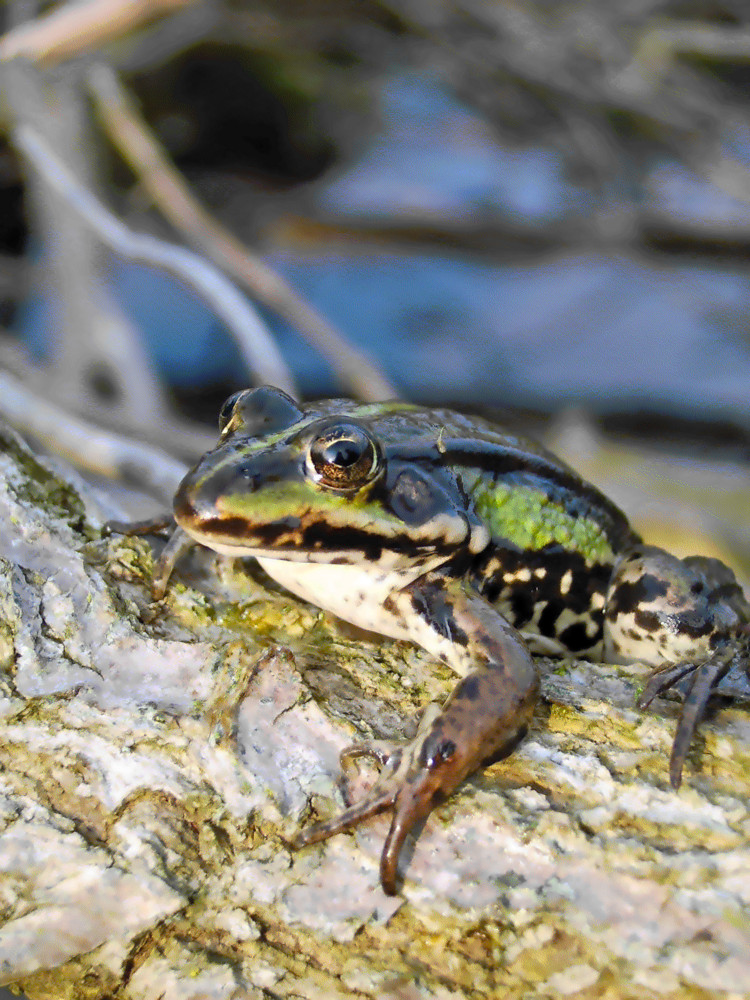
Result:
pixel 157 759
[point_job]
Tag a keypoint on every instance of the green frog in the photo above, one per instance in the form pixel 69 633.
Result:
pixel 481 547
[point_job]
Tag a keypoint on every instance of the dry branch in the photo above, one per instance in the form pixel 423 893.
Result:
pixel 242 321
pixel 88 446
pixel 74 28
pixel 131 135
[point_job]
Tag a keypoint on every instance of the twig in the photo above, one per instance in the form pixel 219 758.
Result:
pixel 87 445
pixel 659 45
pixel 74 28
pixel 178 436
pixel 242 321
pixel 135 141
pixel 100 363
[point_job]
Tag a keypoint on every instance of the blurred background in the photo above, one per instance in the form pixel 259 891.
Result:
pixel 537 209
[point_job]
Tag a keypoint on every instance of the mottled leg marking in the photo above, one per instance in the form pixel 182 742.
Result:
pixel 485 715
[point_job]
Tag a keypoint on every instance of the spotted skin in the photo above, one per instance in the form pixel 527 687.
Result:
pixel 480 546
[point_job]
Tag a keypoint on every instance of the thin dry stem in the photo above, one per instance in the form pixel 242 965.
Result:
pixel 178 436
pixel 242 321
pixel 74 28
pixel 87 445
pixel 166 186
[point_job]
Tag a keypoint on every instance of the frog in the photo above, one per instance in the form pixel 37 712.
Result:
pixel 483 548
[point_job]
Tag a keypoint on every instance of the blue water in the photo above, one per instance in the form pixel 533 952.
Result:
pixel 604 329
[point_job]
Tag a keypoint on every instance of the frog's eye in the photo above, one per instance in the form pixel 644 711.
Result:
pixel 343 457
pixel 259 411
pixel 227 409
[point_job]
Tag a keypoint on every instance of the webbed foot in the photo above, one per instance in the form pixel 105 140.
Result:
pixel 703 678
pixel 405 784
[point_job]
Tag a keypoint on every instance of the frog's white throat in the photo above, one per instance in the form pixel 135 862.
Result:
pixel 356 593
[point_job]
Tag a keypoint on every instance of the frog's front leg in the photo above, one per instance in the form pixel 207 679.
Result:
pixel 486 714
pixel 178 542
pixel 685 617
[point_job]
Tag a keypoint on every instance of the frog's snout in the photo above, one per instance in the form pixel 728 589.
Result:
pixel 186 503
pixel 197 497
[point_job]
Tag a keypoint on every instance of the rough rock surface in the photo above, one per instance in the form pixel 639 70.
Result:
pixel 156 759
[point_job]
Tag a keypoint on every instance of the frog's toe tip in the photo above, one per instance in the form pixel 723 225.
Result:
pixel 675 773
pixel 310 835
pixel 389 886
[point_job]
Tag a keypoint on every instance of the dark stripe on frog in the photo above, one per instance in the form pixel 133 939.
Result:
pixel 725 592
pixel 312 536
pixel 549 616
pixel 576 638
pixel 576 495
pixel 320 535
pixel 523 604
pixel 693 624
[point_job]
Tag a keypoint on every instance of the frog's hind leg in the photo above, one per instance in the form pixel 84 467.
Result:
pixel 705 677
pixel 685 617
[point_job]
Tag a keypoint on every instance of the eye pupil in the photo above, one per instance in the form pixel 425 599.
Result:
pixel 343 453
pixel 344 457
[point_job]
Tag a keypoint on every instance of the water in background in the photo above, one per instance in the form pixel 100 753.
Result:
pixel 606 327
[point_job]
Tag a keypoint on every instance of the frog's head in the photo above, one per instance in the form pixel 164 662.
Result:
pixel 323 484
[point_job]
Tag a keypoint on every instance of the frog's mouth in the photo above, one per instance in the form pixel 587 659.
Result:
pixel 295 521
pixel 318 538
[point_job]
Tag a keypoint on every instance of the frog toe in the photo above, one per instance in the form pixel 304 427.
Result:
pixel 662 680
pixel 376 802
pixel 405 785
pixel 380 797
pixel 703 678
pixel 377 750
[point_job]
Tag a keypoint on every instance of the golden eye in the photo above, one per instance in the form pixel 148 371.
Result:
pixel 344 457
